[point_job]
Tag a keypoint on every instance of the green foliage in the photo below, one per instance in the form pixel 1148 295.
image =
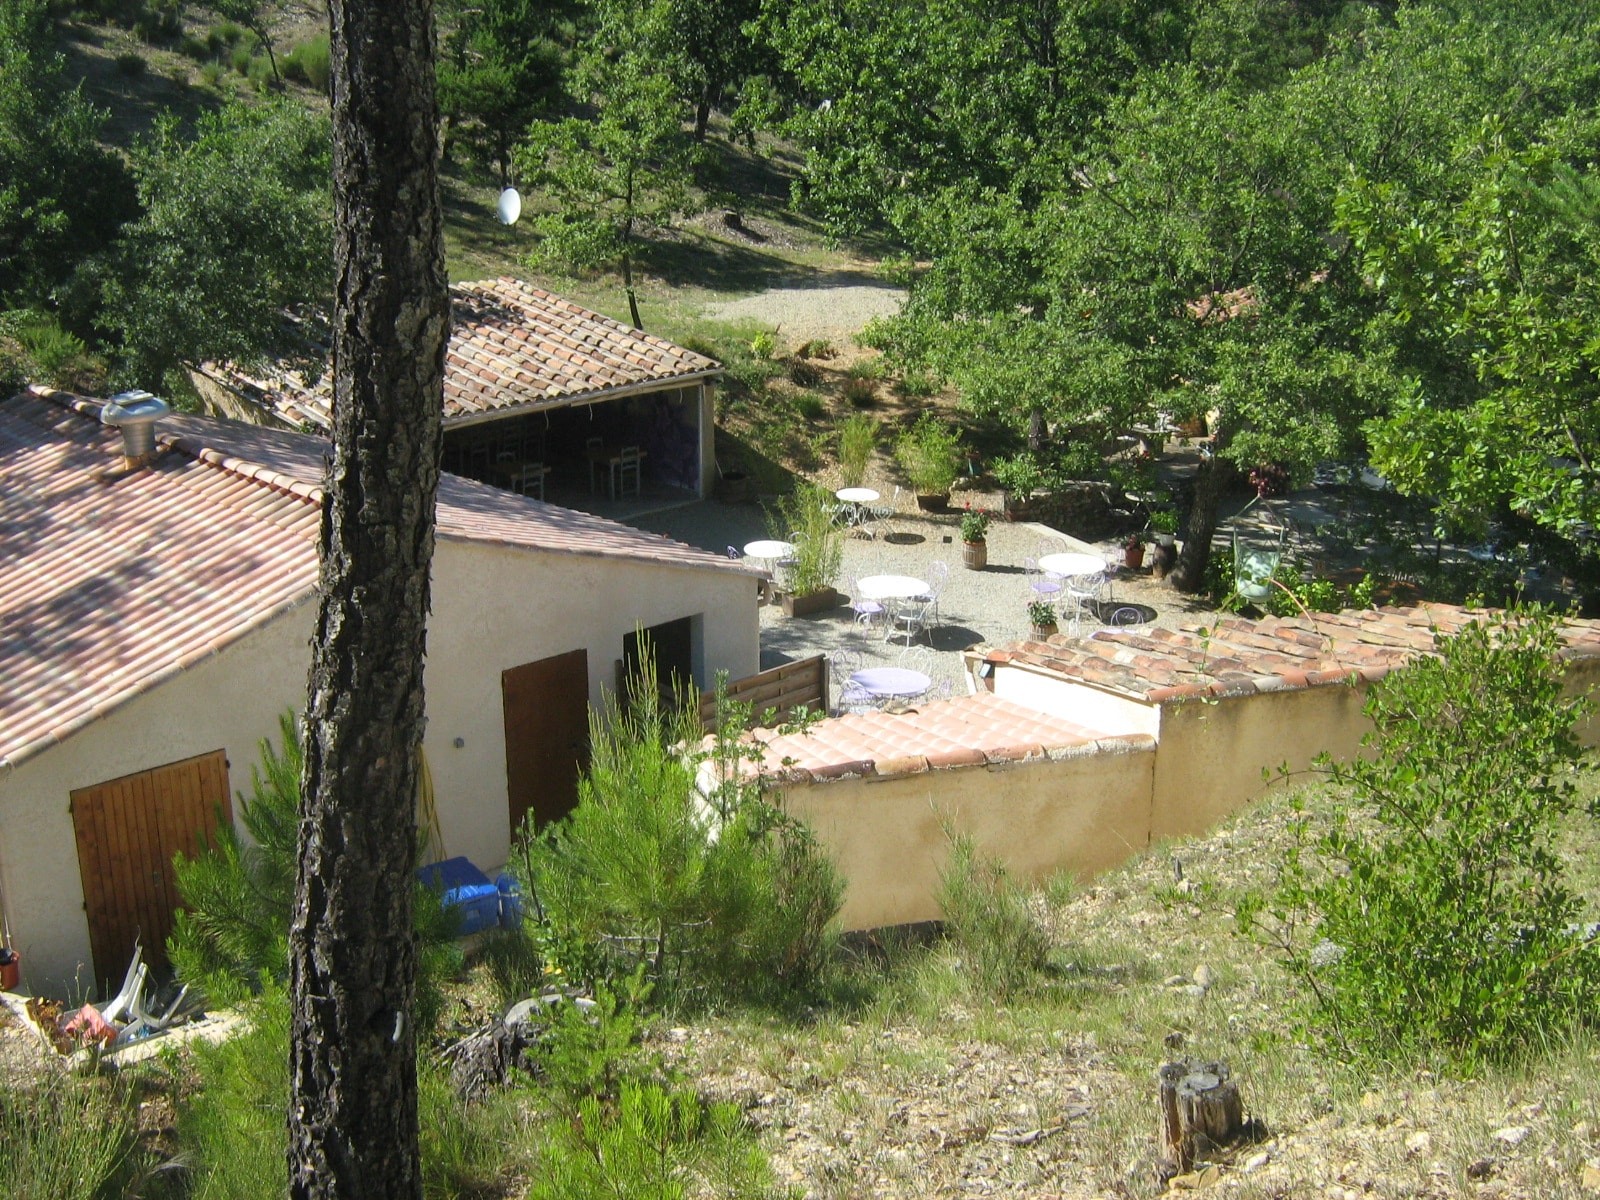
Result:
pixel 622 173
pixel 234 1135
pixel 237 229
pixel 917 384
pixel 1041 613
pixel 652 1143
pixel 131 64
pixel 501 66
pixel 231 937
pixel 987 920
pixel 861 391
pixel 811 406
pixel 930 455
pixel 68 1137
pixel 251 15
pixel 805 518
pixel 1449 926
pixel 46 353
pixel 309 63
pixel 62 195
pixel 803 373
pixel 974 525
pixel 713 896
pixel 764 345
pixel 858 439
pixel 1018 474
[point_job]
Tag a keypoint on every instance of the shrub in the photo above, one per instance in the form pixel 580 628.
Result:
pixel 812 406
pixel 764 345
pixel 1449 926
pixel 817 348
pixel 1017 474
pixel 309 63
pixel 242 55
pixel 863 393
pixel 230 35
pixel 653 1142
pixel 66 1137
pixel 918 384
pixel 159 22
pixel 858 438
pixel 260 72
pixel 231 937
pixel 192 47
pixel 803 373
pixel 710 894
pixel 987 919
pixel 211 74
pixel 930 455
pixel 805 517
pixel 130 64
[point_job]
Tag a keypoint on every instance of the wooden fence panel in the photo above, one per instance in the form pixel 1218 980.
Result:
pixel 783 689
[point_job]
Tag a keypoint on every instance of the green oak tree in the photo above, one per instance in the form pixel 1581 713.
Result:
pixel 237 230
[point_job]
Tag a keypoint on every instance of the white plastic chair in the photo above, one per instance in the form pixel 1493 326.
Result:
pixel 853 698
pixel 938 576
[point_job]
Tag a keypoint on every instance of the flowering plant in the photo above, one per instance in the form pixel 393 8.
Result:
pixel 974 525
pixel 1042 613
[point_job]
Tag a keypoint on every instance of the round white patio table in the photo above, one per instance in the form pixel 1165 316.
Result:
pixel 857 495
pixel 891 587
pixel 769 550
pixel 1073 566
pixel 891 683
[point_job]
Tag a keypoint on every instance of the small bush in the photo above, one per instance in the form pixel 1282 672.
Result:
pixel 930 455
pixel 987 919
pixel 66 1137
pixel 702 346
pixel 260 73
pixel 242 55
pixel 764 345
pixel 812 406
pixel 211 74
pixel 711 896
pixel 229 34
pixel 159 22
pixel 863 393
pixel 192 47
pixel 917 384
pixel 817 348
pixel 866 368
pixel 130 64
pixel 806 518
pixel 858 438
pixel 803 373
pixel 309 63
pixel 1449 927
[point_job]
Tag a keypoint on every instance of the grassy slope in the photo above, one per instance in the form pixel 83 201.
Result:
pixel 916 1092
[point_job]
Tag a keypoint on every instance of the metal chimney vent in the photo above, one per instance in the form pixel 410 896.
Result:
pixel 136 414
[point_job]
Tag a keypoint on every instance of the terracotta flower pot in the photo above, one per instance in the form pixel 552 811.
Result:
pixel 1133 556
pixel 975 555
pixel 10 970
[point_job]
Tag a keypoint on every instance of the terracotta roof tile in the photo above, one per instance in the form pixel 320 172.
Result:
pixel 1236 656
pixel 512 346
pixel 112 582
pixel 942 734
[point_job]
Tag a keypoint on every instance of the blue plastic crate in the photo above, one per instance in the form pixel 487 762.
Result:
pixel 463 887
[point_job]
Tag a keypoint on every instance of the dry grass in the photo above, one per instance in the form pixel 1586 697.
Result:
pixel 926 1089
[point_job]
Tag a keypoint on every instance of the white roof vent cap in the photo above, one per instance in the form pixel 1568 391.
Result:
pixel 136 414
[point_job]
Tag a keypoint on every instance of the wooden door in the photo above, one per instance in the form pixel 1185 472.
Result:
pixel 128 829
pixel 547 736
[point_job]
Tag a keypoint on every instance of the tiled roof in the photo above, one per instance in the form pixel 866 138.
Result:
pixel 112 582
pixel 967 731
pixel 1236 656
pixel 512 346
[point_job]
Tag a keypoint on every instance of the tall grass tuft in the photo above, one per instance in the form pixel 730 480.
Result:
pixel 65 1137
pixel 858 438
pixel 988 920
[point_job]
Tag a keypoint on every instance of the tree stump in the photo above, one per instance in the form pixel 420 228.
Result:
pixel 1201 1110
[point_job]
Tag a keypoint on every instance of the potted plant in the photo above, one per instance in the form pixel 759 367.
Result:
pixel 805 520
pixel 1164 526
pixel 1042 615
pixel 974 535
pixel 930 455
pixel 1133 552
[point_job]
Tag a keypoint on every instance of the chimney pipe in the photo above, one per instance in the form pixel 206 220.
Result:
pixel 136 414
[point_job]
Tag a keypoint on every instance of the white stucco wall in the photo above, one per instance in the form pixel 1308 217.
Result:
pixel 493 608
pixel 229 701
pixel 497 608
pixel 1083 704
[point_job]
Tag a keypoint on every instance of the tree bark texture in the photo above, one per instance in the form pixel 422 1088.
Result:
pixel 1201 1111
pixel 352 962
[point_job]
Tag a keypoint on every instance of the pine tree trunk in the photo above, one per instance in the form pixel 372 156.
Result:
pixel 352 952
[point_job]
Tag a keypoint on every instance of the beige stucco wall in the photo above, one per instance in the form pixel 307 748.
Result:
pixel 1085 812
pixel 493 608
pixel 496 608
pixel 1211 755
pixel 229 701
